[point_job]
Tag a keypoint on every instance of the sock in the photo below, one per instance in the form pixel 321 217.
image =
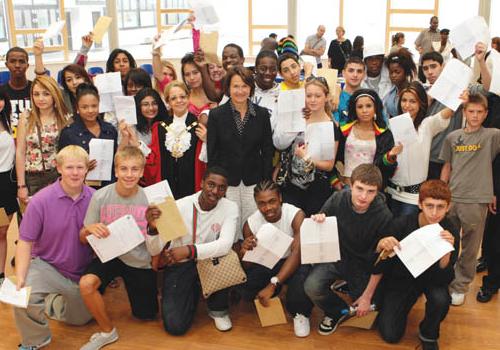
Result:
pixel 108 334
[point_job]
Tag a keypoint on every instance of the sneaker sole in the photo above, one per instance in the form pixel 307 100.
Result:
pixel 341 319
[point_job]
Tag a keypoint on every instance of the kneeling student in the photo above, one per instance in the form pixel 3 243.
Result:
pixel 264 282
pixel 211 221
pixel 400 290
pixel 49 256
pixel 107 205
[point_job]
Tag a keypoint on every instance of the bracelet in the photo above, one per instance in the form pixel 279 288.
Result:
pixel 21 186
pixel 152 231
pixel 41 73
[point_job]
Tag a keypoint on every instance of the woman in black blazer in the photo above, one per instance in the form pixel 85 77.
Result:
pixel 239 139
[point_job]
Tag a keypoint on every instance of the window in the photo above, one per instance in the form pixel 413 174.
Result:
pixel 3 30
pixel 133 14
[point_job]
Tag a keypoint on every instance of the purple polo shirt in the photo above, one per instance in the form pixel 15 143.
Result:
pixel 52 222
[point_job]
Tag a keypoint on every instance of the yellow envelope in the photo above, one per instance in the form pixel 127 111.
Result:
pixel 330 75
pixel 101 27
pixel 4 219
pixel 93 183
pixel 271 315
pixel 365 322
pixel 170 224
pixel 208 43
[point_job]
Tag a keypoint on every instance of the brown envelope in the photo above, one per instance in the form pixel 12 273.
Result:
pixel 365 322
pixel 101 27
pixel 170 224
pixel 4 219
pixel 271 315
pixel 208 43
pixel 330 75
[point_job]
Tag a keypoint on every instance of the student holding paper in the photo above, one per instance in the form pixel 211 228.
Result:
pixel 87 123
pixel 8 184
pixel 413 161
pixel 239 140
pixel 468 154
pixel 365 138
pixel 400 290
pixel 174 144
pixel 211 220
pixel 264 282
pixel 362 218
pixel 307 183
pixel 124 197
pixel 50 258
pixel 37 135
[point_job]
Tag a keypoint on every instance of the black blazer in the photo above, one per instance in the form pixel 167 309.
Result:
pixel 246 158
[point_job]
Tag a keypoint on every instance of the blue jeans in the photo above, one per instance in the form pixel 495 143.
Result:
pixel 401 209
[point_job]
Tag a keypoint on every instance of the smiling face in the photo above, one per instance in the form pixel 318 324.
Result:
pixel 133 88
pixel 213 188
pixel 315 98
pixel 128 172
pixel 266 71
pixel 290 71
pixel 239 91
pixel 73 171
pixel 269 205
pixel 42 98
pixel 88 107
pixel 216 72
pixel 354 73
pixel 410 104
pixel 231 57
pixel 178 101
pixel 149 107
pixel 365 109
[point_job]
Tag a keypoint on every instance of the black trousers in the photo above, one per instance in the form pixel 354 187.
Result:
pixel 491 250
pixel 434 170
pixel 397 303
pixel 258 276
pixel 181 293
pixel 312 198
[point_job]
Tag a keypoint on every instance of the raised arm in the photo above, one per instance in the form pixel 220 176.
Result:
pixel 480 53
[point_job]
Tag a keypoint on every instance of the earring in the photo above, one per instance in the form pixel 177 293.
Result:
pixel 374 117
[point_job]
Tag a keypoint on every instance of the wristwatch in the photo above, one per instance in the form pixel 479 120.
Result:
pixel 275 281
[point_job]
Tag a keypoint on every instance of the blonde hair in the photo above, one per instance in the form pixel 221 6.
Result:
pixel 176 83
pixel 72 151
pixel 128 152
pixel 323 84
pixel 169 65
pixel 61 111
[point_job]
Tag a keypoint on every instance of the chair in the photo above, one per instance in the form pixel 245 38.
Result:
pixel 95 70
pixel 4 77
pixel 148 68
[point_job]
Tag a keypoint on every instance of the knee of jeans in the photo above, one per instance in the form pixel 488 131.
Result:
pixel 389 333
pixel 313 288
pixel 174 326
pixel 439 299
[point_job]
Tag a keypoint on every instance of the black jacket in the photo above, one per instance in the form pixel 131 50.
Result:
pixel 246 158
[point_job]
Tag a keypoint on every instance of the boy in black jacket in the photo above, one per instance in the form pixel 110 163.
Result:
pixel 400 289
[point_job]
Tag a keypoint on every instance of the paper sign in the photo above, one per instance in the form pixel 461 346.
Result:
pixel 204 11
pixel 9 294
pixel 208 43
pixel 403 130
pixel 272 245
pixel 170 224
pixel 107 104
pixel 320 140
pixel 319 242
pixel 158 192
pixel 290 106
pixel 53 30
pixel 312 61
pixel 331 77
pixel 100 28
pixel 452 81
pixel 124 235
pixel 495 72
pixel 467 34
pixel 108 82
pixel 422 248
pixel 365 322
pixel 125 109
pixel 103 152
pixel 4 218
pixel 271 315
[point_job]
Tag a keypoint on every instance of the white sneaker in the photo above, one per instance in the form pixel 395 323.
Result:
pixel 99 340
pixel 223 323
pixel 301 326
pixel 457 299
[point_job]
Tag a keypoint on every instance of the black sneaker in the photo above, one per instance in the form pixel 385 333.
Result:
pixel 485 294
pixel 329 325
pixel 482 265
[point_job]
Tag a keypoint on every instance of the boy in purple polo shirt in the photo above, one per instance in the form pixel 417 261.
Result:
pixel 49 257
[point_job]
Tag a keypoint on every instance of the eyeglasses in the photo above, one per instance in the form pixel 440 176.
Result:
pixel 180 97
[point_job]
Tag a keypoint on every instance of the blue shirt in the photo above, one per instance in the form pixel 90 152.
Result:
pixel 341 114
pixel 77 134
pixel 391 101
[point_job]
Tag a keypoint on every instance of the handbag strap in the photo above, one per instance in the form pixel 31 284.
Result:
pixel 195 223
pixel 39 134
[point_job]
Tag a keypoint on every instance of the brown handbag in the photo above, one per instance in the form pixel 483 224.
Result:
pixel 218 273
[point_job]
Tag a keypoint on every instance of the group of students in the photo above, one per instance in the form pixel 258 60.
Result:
pixel 217 138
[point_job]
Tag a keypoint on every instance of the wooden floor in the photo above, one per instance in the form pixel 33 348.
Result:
pixel 469 327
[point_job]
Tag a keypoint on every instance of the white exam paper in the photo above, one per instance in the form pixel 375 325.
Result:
pixel 319 242
pixel 125 109
pixel 53 30
pixel 452 81
pixel 272 245
pixel 124 235
pixel 422 248
pixel 495 72
pixel 106 102
pixel 312 60
pixel 108 82
pixel 403 130
pixel 103 152
pixel 158 192
pixel 204 11
pixel 320 140
pixel 9 294
pixel 465 36
pixel 290 105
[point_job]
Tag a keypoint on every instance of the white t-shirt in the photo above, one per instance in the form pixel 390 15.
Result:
pixel 7 151
pixel 284 224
